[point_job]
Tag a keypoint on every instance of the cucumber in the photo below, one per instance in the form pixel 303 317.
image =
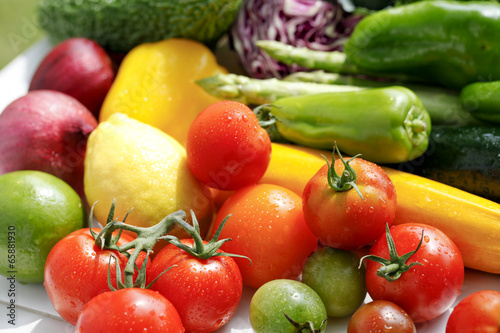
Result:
pixel 120 25
pixel 467 158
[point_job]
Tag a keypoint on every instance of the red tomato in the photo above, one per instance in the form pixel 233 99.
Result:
pixel 381 317
pixel 226 147
pixel 479 312
pixel 76 271
pixel 342 219
pixel 266 225
pixel 205 292
pixel 424 291
pixel 129 310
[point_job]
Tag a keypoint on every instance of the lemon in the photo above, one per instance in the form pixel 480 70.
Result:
pixel 144 169
pixel 37 210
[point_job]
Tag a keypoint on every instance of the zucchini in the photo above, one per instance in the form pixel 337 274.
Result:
pixel 467 158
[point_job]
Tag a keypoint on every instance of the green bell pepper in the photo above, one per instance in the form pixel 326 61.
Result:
pixel 384 125
pixel 445 42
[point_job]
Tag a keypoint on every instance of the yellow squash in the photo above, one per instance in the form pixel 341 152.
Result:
pixel 292 166
pixel 472 222
pixel 156 84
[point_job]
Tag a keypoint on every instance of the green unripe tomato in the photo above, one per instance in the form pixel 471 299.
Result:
pixel 335 276
pixel 298 301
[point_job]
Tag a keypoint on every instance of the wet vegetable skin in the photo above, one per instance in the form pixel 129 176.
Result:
pixel 384 125
pixel 446 42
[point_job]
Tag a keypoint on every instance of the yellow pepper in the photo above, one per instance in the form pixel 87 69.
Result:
pixel 156 84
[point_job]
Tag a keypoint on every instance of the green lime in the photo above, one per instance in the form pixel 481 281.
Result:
pixel 37 209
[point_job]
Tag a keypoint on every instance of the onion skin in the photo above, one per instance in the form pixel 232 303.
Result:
pixel 47 131
pixel 78 67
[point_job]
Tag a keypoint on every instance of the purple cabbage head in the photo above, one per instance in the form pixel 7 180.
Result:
pixel 315 24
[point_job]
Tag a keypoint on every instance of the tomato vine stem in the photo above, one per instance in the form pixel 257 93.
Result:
pixel 147 237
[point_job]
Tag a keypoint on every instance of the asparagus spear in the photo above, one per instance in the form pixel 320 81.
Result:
pixel 330 61
pixel 320 76
pixel 255 91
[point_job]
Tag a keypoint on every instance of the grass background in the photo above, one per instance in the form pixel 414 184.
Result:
pixel 18 28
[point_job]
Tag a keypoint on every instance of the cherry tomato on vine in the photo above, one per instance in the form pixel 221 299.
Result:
pixel 76 271
pixel 266 224
pixel 205 292
pixel 417 267
pixel 348 203
pixel 381 316
pixel 129 310
pixel 478 312
pixel 226 147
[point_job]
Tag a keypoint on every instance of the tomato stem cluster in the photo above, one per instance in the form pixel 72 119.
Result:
pixel 144 242
pixel 348 179
pixel 146 239
pixel 392 268
pixel 199 248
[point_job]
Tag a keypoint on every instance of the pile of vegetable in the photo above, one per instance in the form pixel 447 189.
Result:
pixel 347 175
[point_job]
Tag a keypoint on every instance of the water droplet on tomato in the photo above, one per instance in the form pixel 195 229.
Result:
pixel 382 203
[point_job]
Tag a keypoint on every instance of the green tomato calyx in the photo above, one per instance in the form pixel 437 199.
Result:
pixel 392 269
pixel 144 242
pixel 200 249
pixel 307 327
pixel 347 180
pixel 146 239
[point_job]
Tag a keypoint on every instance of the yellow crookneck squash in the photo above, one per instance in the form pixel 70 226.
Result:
pixel 472 222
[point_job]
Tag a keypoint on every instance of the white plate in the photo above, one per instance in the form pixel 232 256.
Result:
pixel 34 312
